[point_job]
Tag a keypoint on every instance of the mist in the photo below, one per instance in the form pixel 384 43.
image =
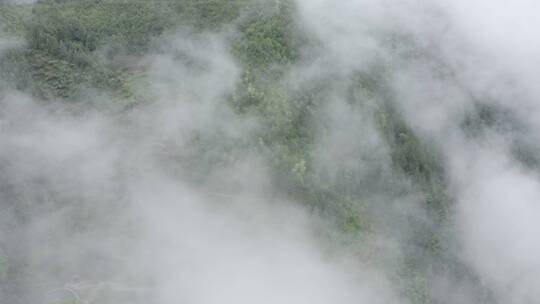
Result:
pixel 370 152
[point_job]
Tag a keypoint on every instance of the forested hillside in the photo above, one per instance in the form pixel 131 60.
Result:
pixel 260 151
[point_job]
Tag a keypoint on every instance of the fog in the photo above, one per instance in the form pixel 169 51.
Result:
pixel 453 57
pixel 110 209
pixel 107 206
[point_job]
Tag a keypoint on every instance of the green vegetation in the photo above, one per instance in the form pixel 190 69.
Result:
pixel 75 46
pixel 13 19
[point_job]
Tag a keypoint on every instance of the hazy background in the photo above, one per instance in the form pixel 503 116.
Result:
pixel 304 151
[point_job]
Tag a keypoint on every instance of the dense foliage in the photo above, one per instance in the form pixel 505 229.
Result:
pixel 73 47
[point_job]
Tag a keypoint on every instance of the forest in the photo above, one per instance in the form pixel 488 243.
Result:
pixel 267 151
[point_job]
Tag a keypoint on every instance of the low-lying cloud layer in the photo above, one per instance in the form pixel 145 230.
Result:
pixel 463 55
pixel 110 210
pixel 104 206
